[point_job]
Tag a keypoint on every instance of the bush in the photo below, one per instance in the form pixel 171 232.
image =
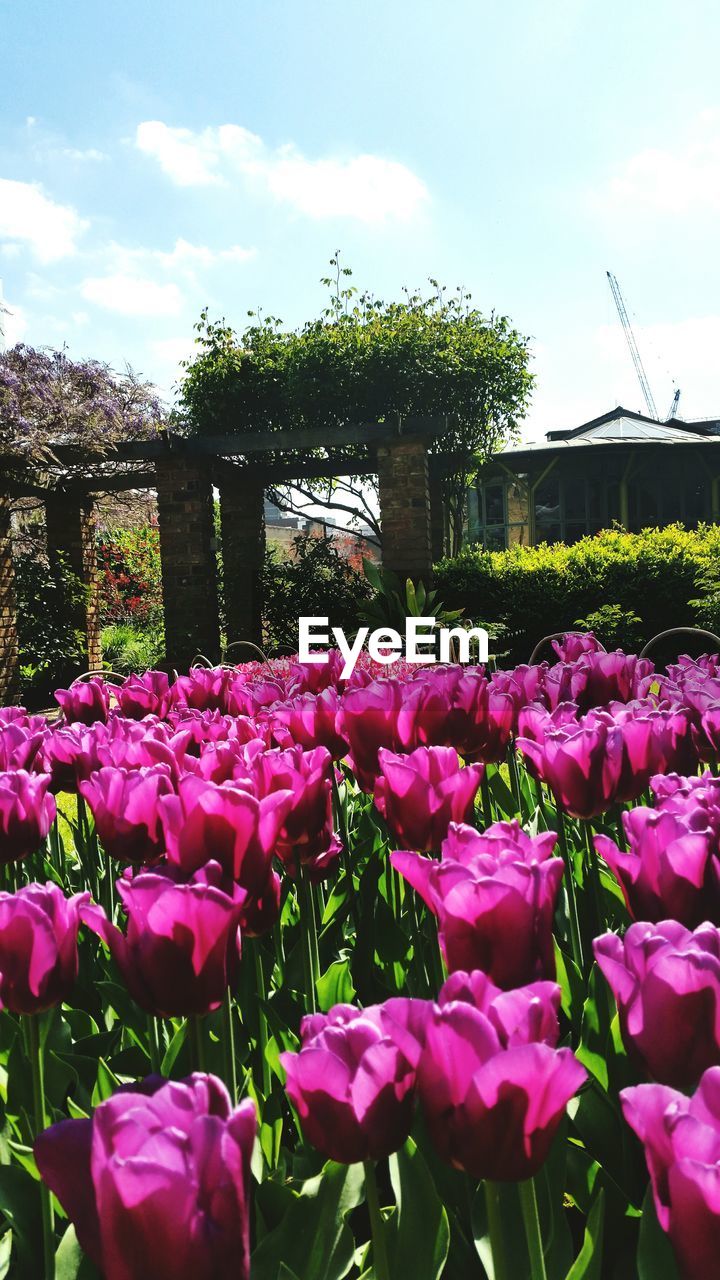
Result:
pixel 50 646
pixel 130 577
pixel 126 648
pixel 656 574
pixel 317 580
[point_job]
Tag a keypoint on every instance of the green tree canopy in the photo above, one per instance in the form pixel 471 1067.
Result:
pixel 366 360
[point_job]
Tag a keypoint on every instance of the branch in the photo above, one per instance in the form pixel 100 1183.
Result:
pixel 286 505
pixel 337 506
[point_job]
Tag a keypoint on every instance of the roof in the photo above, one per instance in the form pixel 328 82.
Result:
pixel 624 426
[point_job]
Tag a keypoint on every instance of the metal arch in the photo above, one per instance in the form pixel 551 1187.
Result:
pixel 679 631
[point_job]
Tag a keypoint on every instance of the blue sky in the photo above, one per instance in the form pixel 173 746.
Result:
pixel 161 156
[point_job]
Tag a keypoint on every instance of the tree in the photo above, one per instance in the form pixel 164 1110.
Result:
pixel 48 399
pixel 366 360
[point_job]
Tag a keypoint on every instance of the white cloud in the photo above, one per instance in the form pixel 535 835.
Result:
pixel 678 179
pixel 184 256
pixel 132 295
pixel 76 153
pixel 367 187
pixel 13 324
pixel 29 217
pixel 683 352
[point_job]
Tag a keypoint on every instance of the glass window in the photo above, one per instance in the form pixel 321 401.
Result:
pixel 547 501
pixel 574 493
pixel 494 504
pixel 494 538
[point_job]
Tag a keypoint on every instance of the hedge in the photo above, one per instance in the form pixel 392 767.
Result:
pixel 656 579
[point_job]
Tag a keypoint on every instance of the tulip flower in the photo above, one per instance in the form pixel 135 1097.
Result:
pixel 125 806
pixel 575 643
pixel 374 716
pixel 580 763
pixel 309 720
pixel 491 1106
pixel 38 947
pixel 494 897
pixel 306 835
pixel 85 702
pixel 527 1015
pixel 461 708
pixel 182 943
pixel 420 794
pixel 223 822
pixel 70 753
pixel 612 677
pixel 663 976
pixel 27 813
pixel 671 870
pixel 157 1181
pixel 144 695
pixel 19 745
pixel 353 1081
pixel 203 689
pixel 681 1137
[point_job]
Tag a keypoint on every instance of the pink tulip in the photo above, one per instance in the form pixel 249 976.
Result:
pixel 38 947
pixel 420 794
pixel 27 813
pixel 125 806
pixel 86 701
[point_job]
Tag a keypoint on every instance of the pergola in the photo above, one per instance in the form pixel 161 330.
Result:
pixel 184 471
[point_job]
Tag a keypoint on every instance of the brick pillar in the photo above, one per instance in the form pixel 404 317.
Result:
pixel 242 517
pixel 189 566
pixel 437 511
pixel 405 509
pixel 70 524
pixel 8 616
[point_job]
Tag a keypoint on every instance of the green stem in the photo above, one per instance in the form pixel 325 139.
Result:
pixel 37 1067
pixel 229 1045
pixel 262 1018
pixel 577 948
pixel 531 1218
pixel 495 1231
pixel 486 801
pixel 197 1042
pixel 307 926
pixel 154 1045
pixel 593 871
pixel 381 1266
pixel 515 779
pixel 341 824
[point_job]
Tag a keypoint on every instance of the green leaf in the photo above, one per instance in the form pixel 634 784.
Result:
pixel 420 1235
pixel 313 1238
pixel 655 1257
pixel 69 1256
pixel 588 1264
pixel 106 1085
pixel 173 1049
pixel 6 1242
pixel 335 986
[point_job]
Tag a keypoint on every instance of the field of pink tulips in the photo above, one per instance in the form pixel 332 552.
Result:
pixel 411 976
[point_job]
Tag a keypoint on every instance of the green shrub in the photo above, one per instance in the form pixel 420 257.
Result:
pixel 315 581
pixel 127 648
pixel 50 645
pixel 656 574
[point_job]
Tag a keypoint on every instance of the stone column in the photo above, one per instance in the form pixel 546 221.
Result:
pixel 70 524
pixel 189 566
pixel 8 614
pixel 405 509
pixel 242 517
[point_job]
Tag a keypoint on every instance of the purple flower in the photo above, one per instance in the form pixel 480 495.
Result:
pixel 353 1081
pixel 143 695
pixel 182 944
pixel 38 947
pixel 157 1182
pixel 492 1102
pixel 86 701
pixel 681 1137
pixel 671 868
pixel 494 897
pixel 306 834
pixel 420 794
pixel 27 813
pixel 581 763
pixel 126 809
pixel 664 976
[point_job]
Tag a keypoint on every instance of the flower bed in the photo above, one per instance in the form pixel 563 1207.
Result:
pixel 416 975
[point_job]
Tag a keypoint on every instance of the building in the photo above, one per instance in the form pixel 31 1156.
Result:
pixel 622 467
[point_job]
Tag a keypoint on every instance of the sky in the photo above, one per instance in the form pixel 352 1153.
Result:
pixel 162 156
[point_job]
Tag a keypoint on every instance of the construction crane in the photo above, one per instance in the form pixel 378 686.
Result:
pixel 673 407
pixel 630 336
